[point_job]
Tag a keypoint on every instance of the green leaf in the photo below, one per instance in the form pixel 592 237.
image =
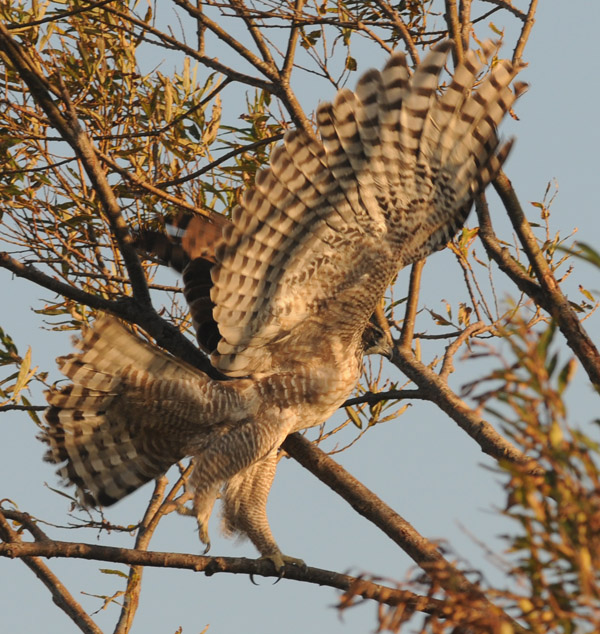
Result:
pixel 110 571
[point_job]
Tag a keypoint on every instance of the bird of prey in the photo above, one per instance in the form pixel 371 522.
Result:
pixel 289 287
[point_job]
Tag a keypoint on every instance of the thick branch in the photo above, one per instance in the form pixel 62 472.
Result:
pixel 166 335
pixel 214 565
pixel 367 504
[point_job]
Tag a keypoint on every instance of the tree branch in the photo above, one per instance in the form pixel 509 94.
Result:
pixel 367 504
pixel 60 595
pixel 454 30
pixel 214 565
pixel 396 20
pixel 525 31
pixel 72 133
pixel 554 302
pixel 490 441
pixel 412 304
pixel 31 273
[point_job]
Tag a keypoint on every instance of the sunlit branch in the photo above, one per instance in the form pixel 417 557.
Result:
pixel 525 31
pixel 367 504
pixel 215 565
pixel 68 125
pixel 490 441
pixel 454 30
pixel 412 304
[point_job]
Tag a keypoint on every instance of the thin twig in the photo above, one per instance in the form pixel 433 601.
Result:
pixel 505 4
pixel 412 304
pixel 525 31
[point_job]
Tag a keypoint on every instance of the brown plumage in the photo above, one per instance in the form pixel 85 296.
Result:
pixel 296 275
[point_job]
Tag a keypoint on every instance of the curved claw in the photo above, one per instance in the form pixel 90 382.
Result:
pixel 279 560
pixel 204 538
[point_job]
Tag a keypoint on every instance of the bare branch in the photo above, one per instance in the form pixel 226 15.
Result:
pixel 288 62
pixel 131 596
pixel 214 565
pixel 396 20
pixel 454 29
pixel 60 595
pixel 525 31
pixel 490 441
pixel 506 4
pixel 367 504
pixel 389 395
pixel 412 305
pixel 554 300
pixel 29 272
pixel 464 14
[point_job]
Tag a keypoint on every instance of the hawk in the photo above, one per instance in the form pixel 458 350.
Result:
pixel 282 293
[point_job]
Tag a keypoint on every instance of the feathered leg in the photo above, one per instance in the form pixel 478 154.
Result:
pixel 245 509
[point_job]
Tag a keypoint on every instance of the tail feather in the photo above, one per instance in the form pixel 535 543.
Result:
pixel 131 412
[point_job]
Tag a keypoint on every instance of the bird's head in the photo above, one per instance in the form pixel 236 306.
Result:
pixel 376 341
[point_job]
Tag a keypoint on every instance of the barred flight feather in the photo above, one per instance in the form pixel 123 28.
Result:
pixel 282 294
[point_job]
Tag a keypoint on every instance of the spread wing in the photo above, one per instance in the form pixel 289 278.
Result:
pixel 314 244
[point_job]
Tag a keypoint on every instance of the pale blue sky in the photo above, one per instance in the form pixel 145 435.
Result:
pixel 422 464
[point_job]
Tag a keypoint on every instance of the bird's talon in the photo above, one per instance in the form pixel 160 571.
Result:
pixel 280 561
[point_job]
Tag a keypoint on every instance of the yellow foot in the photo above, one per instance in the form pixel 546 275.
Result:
pixel 280 560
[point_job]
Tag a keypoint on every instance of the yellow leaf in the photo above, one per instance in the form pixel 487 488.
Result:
pixel 353 416
pixel 23 375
